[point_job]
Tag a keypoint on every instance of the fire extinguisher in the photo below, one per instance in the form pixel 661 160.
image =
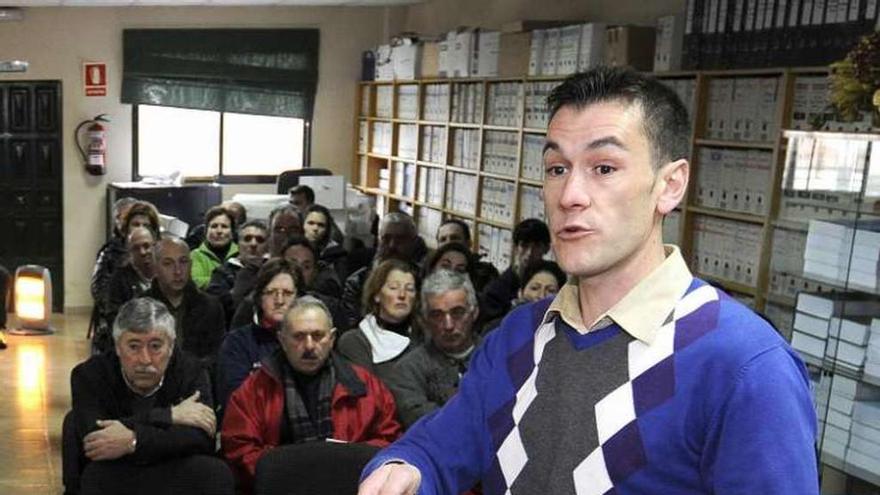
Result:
pixel 95 149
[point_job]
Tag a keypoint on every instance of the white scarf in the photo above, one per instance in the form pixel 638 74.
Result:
pixel 386 345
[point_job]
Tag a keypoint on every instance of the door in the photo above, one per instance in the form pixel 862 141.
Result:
pixel 31 208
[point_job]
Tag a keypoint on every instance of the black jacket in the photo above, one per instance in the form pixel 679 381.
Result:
pixel 202 326
pixel 125 285
pixel 498 296
pixel 351 297
pixel 98 391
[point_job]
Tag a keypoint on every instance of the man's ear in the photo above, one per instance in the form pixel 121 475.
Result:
pixel 671 185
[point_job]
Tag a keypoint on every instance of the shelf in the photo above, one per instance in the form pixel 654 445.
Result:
pixel 531 182
pixel 378 119
pixel 495 223
pixel 402 159
pixel 784 223
pixel 749 145
pixel 470 171
pixel 404 121
pixel 498 176
pixel 464 125
pixel 430 164
pixel 851 136
pixel 491 127
pixel 534 130
pixel 729 215
pixel 377 155
pixel 730 284
pixel 460 214
pixel 438 123
pixel 781 300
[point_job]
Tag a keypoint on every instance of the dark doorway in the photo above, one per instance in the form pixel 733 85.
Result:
pixel 31 167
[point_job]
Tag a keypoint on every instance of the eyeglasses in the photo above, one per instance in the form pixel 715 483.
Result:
pixel 439 316
pixel 275 293
pixel 318 336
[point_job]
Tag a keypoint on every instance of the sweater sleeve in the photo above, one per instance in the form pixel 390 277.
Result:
pixel 449 446
pixel 762 437
pixel 409 384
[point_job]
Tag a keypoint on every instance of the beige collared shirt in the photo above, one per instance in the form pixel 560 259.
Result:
pixel 642 311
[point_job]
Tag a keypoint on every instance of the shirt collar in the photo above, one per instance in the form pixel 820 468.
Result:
pixel 642 310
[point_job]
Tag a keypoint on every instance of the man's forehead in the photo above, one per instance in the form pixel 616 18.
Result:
pixel 152 334
pixel 450 298
pixel 286 218
pixel 306 320
pixel 173 251
pixel 253 230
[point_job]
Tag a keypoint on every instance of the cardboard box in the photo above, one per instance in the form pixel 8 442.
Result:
pixel 430 64
pixel 406 59
pixel 630 46
pixel 523 26
pixel 670 35
pixel 462 45
pixel 486 52
pixel 513 58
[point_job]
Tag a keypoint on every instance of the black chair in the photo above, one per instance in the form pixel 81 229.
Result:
pixel 313 468
pixel 290 178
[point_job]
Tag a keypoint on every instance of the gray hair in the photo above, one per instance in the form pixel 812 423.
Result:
pixel 143 315
pixel 398 217
pixel 308 302
pixel 443 281
pixel 121 203
pixel 164 240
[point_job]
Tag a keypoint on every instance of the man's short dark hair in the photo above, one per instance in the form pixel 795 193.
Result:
pixel 544 266
pixel 305 190
pixel 256 223
pixel 461 223
pixel 286 208
pixel 531 231
pixel 298 240
pixel 666 121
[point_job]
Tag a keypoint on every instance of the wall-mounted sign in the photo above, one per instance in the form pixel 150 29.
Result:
pixel 13 65
pixel 95 78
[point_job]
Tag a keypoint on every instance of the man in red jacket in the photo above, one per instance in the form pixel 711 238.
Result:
pixel 305 393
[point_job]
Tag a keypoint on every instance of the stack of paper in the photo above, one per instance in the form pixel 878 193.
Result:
pixel 834 327
pixel 846 252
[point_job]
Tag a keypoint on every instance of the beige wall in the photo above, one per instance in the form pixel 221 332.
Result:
pixel 57 40
pixel 436 16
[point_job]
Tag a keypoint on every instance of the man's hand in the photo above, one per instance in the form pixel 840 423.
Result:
pixel 112 441
pixel 191 412
pixel 392 479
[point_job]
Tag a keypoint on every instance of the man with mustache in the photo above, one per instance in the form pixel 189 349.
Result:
pixel 142 414
pixel 304 393
pixel 428 376
pixel 637 378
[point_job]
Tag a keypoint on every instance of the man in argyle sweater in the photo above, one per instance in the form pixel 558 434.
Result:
pixel 637 378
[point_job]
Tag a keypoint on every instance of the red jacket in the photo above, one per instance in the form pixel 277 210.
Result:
pixel 362 410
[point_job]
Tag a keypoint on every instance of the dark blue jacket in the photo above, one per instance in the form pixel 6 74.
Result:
pixel 240 354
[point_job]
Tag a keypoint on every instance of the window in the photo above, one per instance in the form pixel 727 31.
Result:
pixel 225 145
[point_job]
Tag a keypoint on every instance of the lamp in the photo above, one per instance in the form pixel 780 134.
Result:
pixel 33 300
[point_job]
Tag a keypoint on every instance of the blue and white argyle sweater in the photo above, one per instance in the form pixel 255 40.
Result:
pixel 717 403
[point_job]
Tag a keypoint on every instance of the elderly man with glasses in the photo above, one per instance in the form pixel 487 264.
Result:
pixel 305 393
pixel 428 376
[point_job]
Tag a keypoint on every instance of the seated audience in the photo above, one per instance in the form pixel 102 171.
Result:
pixel 278 284
pixel 319 227
pixel 142 414
pixel 198 317
pixel 131 280
pixel 305 393
pixel 424 379
pixel 301 197
pixel 456 230
pixel 317 280
pixel 540 280
pixel 112 256
pixel 398 239
pixel 196 235
pixel 252 237
pixel 452 256
pixel 386 333
pixel 531 241
pixel 217 247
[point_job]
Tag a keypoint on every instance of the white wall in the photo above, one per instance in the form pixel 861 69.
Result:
pixel 56 41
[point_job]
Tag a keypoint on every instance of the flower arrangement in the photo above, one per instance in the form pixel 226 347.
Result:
pixel 855 80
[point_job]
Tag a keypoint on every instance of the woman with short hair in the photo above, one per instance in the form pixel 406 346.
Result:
pixel 217 247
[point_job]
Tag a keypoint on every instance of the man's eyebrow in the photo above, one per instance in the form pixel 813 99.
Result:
pixel 592 145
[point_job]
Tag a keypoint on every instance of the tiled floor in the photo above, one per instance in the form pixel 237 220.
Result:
pixel 35 380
